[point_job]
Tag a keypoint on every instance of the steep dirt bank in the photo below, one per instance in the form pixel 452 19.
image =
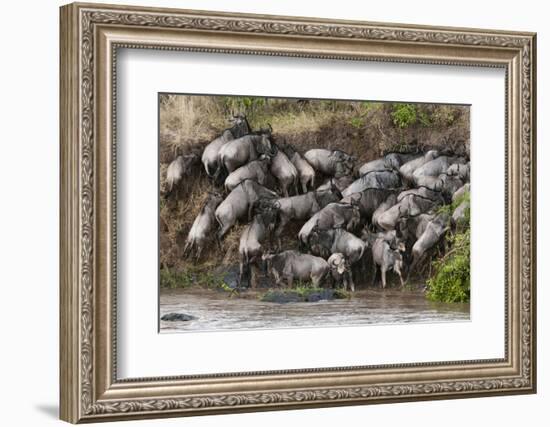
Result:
pixel 364 129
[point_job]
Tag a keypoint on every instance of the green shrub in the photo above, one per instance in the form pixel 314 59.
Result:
pixel 403 115
pixel 189 277
pixel 451 280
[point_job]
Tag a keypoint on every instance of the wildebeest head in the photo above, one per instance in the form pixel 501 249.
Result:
pixel 392 161
pixel 320 241
pixel 214 199
pixel 355 220
pixel 459 169
pixel 265 146
pixel 338 263
pixel 240 125
pixel 343 163
pixel 265 160
pixel 268 213
pixel 326 196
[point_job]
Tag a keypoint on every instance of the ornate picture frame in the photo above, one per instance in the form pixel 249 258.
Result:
pixel 90 37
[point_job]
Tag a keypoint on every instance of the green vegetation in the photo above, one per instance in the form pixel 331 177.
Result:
pixel 449 209
pixel 190 277
pixel 303 292
pixel 403 115
pixel 450 281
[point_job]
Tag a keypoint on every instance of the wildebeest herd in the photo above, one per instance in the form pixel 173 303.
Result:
pixel 386 213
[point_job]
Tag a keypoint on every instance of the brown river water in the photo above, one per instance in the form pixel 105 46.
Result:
pixel 218 311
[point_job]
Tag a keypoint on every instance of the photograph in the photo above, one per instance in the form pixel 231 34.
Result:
pixel 295 213
pixel 271 209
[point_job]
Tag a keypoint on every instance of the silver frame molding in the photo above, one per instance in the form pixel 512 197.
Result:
pixel 90 37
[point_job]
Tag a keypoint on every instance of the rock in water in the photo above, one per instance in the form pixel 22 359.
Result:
pixel 177 317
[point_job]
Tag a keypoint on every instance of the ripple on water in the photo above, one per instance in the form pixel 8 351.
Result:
pixel 217 311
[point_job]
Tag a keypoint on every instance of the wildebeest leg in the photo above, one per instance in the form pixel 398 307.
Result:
pixel 284 189
pixel 186 248
pixel 374 271
pixel 283 221
pixel 289 280
pixel 304 185
pixel 253 276
pixel 243 269
pixel 383 270
pixel 199 251
pixel 277 277
pixel 316 281
pixel 250 209
pixel 398 271
pixel 349 278
pixel 442 246
pixel 417 258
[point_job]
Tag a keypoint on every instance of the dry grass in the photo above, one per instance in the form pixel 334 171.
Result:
pixel 364 129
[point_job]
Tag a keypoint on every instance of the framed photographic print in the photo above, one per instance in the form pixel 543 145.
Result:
pixel 266 212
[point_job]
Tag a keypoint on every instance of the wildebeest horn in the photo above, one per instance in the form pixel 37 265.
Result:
pixel 270 128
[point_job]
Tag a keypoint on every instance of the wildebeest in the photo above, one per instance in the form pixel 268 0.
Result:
pixel 423 195
pixel 341 271
pixel 461 170
pixel 384 179
pixel 285 172
pixel 256 170
pixel 330 162
pixel 390 201
pixel 179 167
pixel 386 258
pixel 412 205
pixel 432 235
pixel 327 242
pixel 211 151
pixel 340 183
pixel 436 167
pixel 409 228
pixel 203 226
pixel 334 215
pixel 251 245
pixel 408 169
pixel 444 183
pixel 290 265
pixel 391 161
pixel 240 151
pixel 239 203
pixel 306 173
pixel 449 185
pixel 302 206
pixel 392 237
pixel 368 200
pixel 374 165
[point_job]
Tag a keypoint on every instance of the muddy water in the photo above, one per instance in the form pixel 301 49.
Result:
pixel 217 311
